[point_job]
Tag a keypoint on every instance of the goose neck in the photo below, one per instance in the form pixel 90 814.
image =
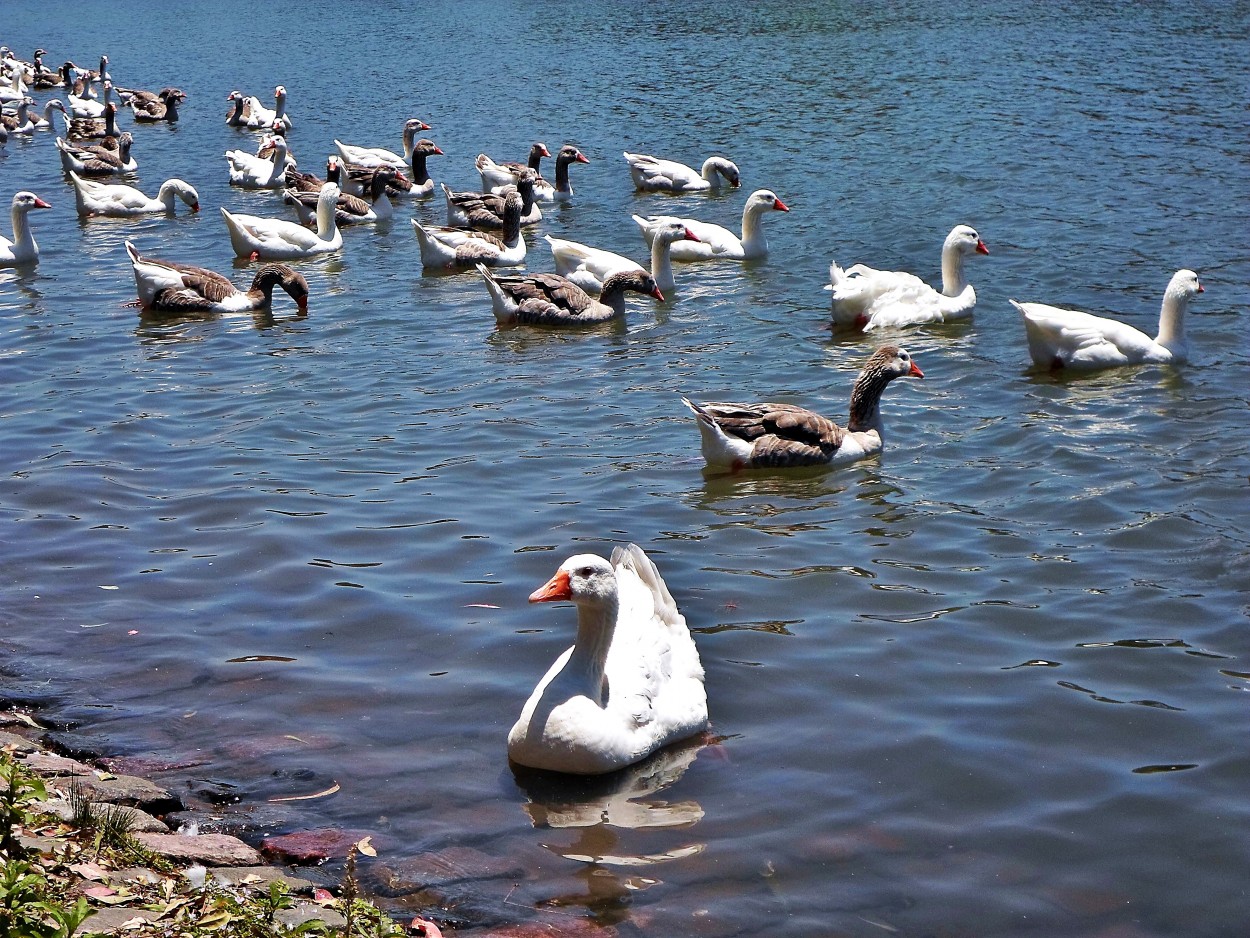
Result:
pixel 595 628
pixel 562 175
pixel 1172 323
pixel 753 228
pixel 953 282
pixel 662 262
pixel 326 222
pixel 865 411
pixel 420 175
pixel 23 237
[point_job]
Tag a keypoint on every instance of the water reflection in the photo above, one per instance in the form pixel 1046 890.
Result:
pixel 598 809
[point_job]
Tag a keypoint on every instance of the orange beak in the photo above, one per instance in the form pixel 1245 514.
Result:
pixel 40 203
pixel 915 371
pixel 981 248
pixel 554 590
pixel 780 206
pixel 691 236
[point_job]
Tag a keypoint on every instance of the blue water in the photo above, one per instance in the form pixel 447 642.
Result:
pixel 990 683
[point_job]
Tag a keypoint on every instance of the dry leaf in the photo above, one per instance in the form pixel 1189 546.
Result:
pixel 366 848
pixel 91 871
pixel 424 928
pixel 323 897
pixel 321 794
pixel 218 919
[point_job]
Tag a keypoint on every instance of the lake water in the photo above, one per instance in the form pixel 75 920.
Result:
pixel 993 682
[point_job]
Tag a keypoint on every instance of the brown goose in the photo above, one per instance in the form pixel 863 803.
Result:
pixel 87 128
pixel 164 108
pixel 506 174
pixel 552 300
pixel 98 160
pixel 349 209
pixel 738 436
pixel 463 247
pixel 311 182
pixel 418 185
pixel 182 288
pixel 484 211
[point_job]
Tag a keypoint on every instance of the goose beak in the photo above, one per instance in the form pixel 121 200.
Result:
pixel 40 203
pixel 1200 289
pixel 195 206
pixel 691 236
pixel 780 205
pixel 981 248
pixel 657 294
pixel 554 590
pixel 581 158
pixel 915 371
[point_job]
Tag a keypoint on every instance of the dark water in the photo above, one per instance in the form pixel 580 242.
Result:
pixel 991 683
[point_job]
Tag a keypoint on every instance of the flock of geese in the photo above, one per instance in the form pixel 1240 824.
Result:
pixel 632 682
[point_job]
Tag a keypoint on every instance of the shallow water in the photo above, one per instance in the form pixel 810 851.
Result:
pixel 992 682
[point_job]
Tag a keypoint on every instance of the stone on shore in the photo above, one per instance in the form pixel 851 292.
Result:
pixel 205 849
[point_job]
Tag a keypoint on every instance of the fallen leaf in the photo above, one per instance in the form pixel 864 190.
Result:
pixel 104 776
pixel 321 794
pixel 91 871
pixel 424 928
pixel 366 848
pixel 100 892
pixel 323 896
pixel 218 919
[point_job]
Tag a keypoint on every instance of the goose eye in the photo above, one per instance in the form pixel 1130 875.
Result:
pixel 585 572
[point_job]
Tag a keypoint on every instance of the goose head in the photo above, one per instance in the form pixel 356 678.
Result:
pixel 586 580
pixel 672 231
pixel 1184 285
pixel 26 201
pixel 426 147
pixel 185 191
pixel 289 279
pixel 763 200
pixel 570 154
pixel 638 281
pixel 965 240
pixel 725 168
pixel 890 362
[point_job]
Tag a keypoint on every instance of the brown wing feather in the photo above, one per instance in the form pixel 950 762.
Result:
pixel 181 301
pixel 781 434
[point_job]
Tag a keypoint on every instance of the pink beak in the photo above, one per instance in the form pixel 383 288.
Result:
pixel 40 203
pixel 780 205
pixel 981 248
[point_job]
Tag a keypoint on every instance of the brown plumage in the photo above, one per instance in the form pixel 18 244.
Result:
pixel 349 209
pixel 94 128
pixel 771 435
pixel 204 290
pixel 484 211
pixel 164 107
pixel 551 300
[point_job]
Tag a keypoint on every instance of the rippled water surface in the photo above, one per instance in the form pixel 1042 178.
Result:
pixel 990 683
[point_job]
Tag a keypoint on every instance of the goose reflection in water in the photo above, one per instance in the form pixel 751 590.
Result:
pixel 599 808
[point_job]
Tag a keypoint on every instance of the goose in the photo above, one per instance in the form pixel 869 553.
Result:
pixel 22 249
pixel 1068 338
pixel 16 89
pixel 22 122
pixel 738 436
pixel 100 198
pixel 631 683
pixel 484 211
pixel 461 247
pixel 373 157
pixel 43 121
pixel 419 184
pixel 587 267
pixel 497 175
pixel 81 106
pixel 237 115
pixel 349 209
pixel 98 160
pixel 279 239
pixel 258 172
pixel 717 243
pixel 552 300
pixel 164 108
pixel 865 299
pixel 90 128
pixel 655 175
pixel 258 117
pixel 182 288
pixel 544 191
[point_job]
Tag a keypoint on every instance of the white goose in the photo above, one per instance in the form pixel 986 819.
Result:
pixel 181 288
pixel 1067 338
pixel 867 299
pixel 715 242
pixel 464 247
pixel 90 107
pixel 98 160
pixel 544 191
pixel 497 175
pixel 101 198
pixel 631 684
pixel 740 436
pixel 651 174
pixel 22 249
pixel 259 172
pixel 372 157
pixel 279 239
pixel 588 267
pixel 256 116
